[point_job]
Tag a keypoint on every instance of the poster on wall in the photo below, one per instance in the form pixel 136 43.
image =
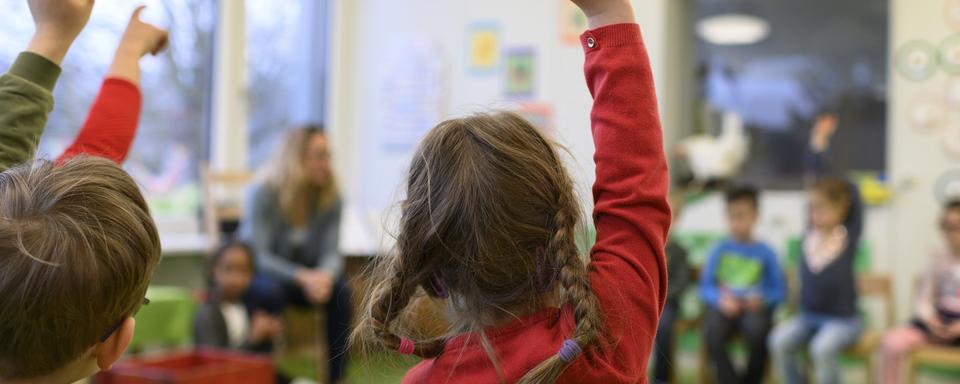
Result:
pixel 540 115
pixel 572 23
pixel 412 94
pixel 520 76
pixel 916 60
pixel 483 47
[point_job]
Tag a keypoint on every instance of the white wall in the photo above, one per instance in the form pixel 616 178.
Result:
pixel 915 160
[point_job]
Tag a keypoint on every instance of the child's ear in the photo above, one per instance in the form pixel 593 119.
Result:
pixel 111 349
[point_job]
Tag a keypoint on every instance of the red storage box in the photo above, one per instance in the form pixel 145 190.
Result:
pixel 204 366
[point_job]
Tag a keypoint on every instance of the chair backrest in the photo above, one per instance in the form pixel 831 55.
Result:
pixel 222 199
pixel 879 286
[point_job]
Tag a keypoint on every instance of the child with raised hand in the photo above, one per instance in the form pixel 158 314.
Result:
pixel 829 321
pixel 937 309
pixel 488 229
pixel 112 122
pixel 26 97
pixel 742 284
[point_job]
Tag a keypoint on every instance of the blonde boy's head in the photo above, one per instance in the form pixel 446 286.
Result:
pixel 77 249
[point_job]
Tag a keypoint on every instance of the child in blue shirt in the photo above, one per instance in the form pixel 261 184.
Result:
pixel 741 283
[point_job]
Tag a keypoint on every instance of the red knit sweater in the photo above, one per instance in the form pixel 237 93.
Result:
pixel 627 267
pixel 111 124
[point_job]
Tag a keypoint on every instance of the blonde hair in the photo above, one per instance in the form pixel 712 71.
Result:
pixel 285 173
pixel 77 249
pixel 490 215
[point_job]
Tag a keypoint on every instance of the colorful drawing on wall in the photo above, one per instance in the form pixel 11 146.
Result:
pixel 572 22
pixel 950 55
pixel 951 141
pixel 540 115
pixel 952 14
pixel 520 76
pixel 483 47
pixel 916 60
pixel 927 113
pixel 948 186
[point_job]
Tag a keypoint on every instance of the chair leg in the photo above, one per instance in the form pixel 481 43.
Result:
pixel 869 367
pixel 909 369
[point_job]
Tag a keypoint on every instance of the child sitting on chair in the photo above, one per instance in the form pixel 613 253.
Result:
pixel 937 311
pixel 741 284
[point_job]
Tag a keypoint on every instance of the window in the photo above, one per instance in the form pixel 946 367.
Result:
pixel 287 55
pixel 820 55
pixel 172 138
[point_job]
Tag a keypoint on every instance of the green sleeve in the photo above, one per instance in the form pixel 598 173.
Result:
pixel 26 100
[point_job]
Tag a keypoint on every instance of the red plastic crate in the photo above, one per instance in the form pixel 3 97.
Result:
pixel 203 366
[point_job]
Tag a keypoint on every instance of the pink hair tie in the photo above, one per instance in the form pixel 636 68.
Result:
pixel 406 346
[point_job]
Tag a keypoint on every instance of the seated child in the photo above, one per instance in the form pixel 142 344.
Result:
pixel 937 311
pixel 829 321
pixel 77 249
pixel 680 276
pixel 234 315
pixel 741 283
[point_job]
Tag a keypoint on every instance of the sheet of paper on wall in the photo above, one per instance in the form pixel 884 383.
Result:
pixel 483 47
pixel 572 22
pixel 520 73
pixel 540 115
pixel 412 93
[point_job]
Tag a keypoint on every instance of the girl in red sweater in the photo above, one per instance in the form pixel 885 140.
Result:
pixel 487 232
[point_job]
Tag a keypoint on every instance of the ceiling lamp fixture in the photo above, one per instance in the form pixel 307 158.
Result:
pixel 735 26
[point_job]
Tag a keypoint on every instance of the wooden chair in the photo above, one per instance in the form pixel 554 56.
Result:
pixel 931 355
pixel 222 199
pixel 880 287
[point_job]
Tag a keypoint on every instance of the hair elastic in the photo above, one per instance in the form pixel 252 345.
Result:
pixel 569 351
pixel 406 346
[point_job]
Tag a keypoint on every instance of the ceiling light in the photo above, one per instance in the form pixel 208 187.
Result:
pixel 733 29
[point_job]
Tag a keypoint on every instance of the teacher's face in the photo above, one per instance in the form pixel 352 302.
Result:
pixel 316 160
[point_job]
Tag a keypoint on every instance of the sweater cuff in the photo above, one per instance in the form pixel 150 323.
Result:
pixel 36 69
pixel 121 82
pixel 615 35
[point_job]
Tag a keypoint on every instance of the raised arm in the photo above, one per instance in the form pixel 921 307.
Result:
pixel 631 214
pixel 112 123
pixel 26 97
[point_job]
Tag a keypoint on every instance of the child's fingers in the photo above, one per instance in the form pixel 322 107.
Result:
pixel 136 12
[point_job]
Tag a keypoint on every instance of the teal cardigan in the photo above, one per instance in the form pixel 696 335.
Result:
pixel 267 231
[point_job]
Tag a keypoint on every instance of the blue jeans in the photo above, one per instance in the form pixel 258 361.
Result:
pixel 827 337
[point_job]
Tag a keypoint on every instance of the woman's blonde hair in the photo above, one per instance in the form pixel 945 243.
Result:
pixel 489 218
pixel 77 249
pixel 285 173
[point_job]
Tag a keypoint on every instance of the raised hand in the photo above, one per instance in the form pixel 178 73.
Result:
pixel 141 38
pixel 58 22
pixel 823 131
pixel 606 12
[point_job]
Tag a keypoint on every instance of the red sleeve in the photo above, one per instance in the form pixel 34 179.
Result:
pixel 111 124
pixel 631 214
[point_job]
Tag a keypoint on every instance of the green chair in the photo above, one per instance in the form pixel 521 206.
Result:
pixel 167 321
